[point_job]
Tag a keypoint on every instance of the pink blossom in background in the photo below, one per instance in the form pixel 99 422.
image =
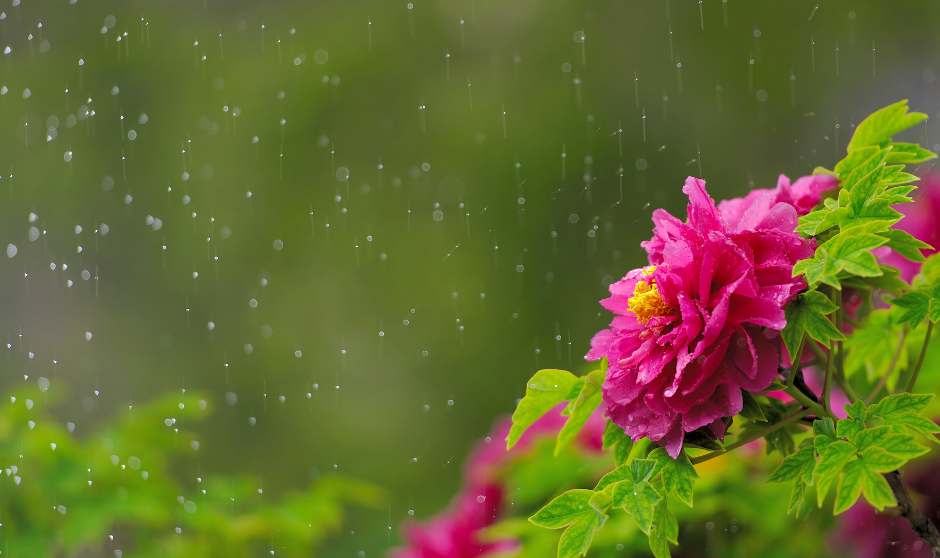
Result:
pixel 803 195
pixel 456 532
pixel 921 220
pixel 687 333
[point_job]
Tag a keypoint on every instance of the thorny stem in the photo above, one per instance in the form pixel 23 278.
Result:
pixel 920 523
pixel 884 378
pixel 920 360
pixel 748 439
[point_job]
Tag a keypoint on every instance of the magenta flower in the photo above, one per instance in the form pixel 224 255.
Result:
pixel 688 335
pixel 457 531
pixel 803 195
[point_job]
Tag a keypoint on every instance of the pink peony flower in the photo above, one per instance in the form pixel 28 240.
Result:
pixel 457 532
pixel 922 221
pixel 687 337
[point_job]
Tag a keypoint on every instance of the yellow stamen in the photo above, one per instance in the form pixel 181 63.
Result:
pixel 646 302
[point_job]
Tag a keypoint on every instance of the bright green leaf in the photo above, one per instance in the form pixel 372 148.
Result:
pixel 906 245
pixel 916 305
pixel 638 500
pixel 581 409
pixel 564 510
pixel 795 465
pixel 909 153
pixel 808 313
pixel 576 540
pixel 879 126
pixel 659 534
pixel 678 474
pixel 830 465
pixel 881 461
pixel 867 186
pixel 545 390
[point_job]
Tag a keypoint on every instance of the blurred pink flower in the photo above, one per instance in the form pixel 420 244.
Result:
pixel 456 532
pixel 921 220
pixel 687 336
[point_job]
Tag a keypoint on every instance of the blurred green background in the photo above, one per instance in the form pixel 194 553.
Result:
pixel 357 228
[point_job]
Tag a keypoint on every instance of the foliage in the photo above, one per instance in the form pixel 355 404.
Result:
pixel 115 490
pixel 849 454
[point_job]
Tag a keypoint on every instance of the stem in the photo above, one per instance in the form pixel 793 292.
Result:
pixel 884 378
pixel 920 360
pixel 847 389
pixel 827 385
pixel 921 525
pixel 805 401
pixel 748 439
pixel 797 362
pixel 840 360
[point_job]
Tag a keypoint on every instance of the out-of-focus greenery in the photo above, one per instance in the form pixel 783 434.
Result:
pixel 70 493
pixel 429 327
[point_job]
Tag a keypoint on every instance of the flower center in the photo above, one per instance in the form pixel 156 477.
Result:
pixel 646 302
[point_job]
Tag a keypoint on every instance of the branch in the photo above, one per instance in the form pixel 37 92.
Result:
pixel 920 360
pixel 921 525
pixel 757 435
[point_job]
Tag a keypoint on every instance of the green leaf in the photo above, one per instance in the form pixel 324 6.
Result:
pixel 916 423
pixel 872 345
pixel 808 313
pixel 659 535
pixel 877 436
pixel 798 501
pixel 867 186
pixel 824 426
pixel 904 446
pixel 613 477
pixel 916 305
pixel 545 390
pixel 889 281
pixel 931 268
pixel 642 469
pixel 848 428
pixel 909 153
pixel 616 438
pixel 899 403
pixel 855 158
pixel 581 409
pixel 751 410
pixel 795 465
pixel 678 474
pixel 576 540
pixel 601 500
pixel 850 486
pixel 638 500
pixel 879 126
pixel 895 176
pixel 564 510
pixel 881 461
pixel 809 223
pixel 830 465
pixel 906 245
pixel 852 251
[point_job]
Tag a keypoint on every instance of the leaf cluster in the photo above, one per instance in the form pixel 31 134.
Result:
pixel 852 453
